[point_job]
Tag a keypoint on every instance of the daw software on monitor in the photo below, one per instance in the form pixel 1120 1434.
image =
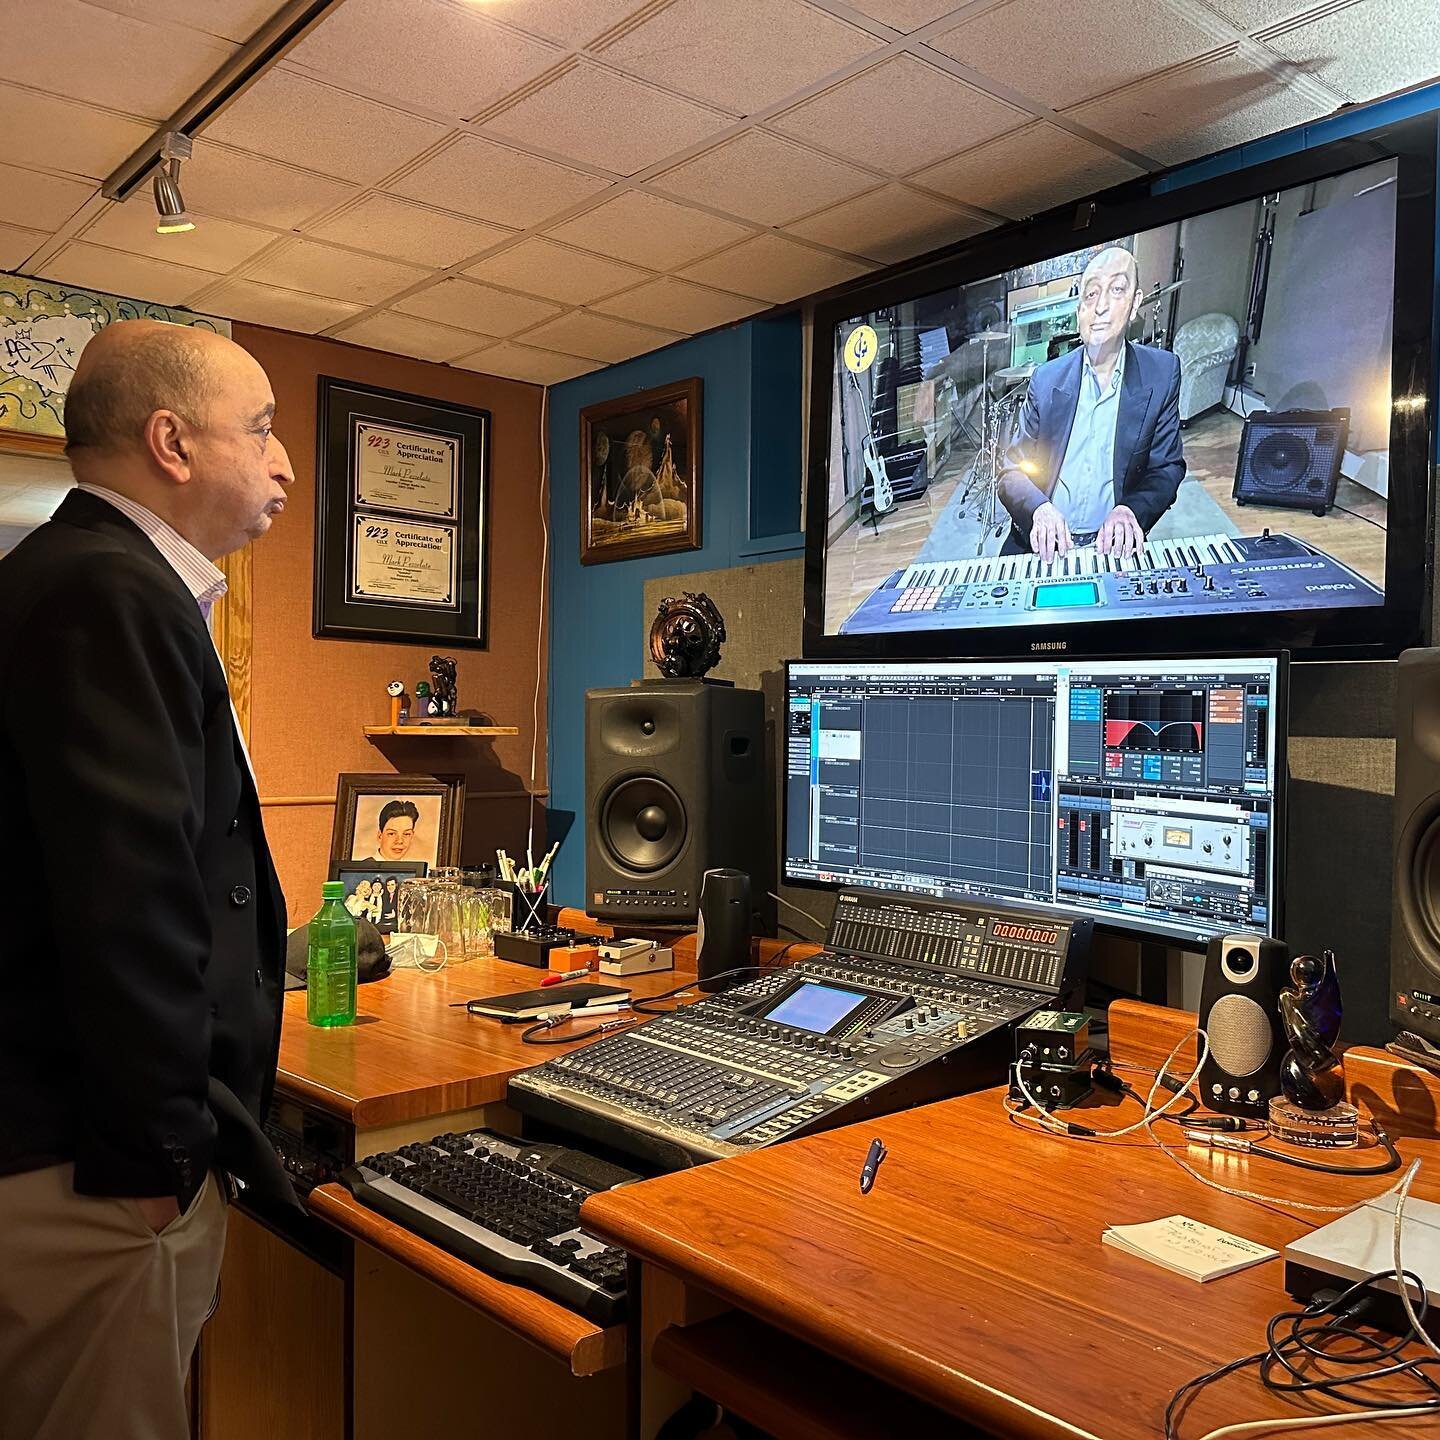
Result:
pixel 1144 793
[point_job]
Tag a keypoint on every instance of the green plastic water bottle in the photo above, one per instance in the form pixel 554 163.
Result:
pixel 330 962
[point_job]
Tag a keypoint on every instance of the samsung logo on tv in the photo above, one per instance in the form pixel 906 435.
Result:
pixel 1049 645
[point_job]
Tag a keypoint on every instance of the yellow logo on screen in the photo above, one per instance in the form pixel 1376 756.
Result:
pixel 860 349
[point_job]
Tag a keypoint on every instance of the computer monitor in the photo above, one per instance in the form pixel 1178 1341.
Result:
pixel 1146 793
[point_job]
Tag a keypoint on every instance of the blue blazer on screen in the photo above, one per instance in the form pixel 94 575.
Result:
pixel 1149 462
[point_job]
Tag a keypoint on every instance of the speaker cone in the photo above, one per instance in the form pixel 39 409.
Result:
pixel 1417 883
pixel 642 824
pixel 1281 461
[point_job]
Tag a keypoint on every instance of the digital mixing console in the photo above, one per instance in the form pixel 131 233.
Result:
pixel 910 1000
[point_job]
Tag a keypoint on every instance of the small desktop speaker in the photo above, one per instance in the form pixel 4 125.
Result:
pixel 1239 1012
pixel 674 786
pixel 1291 458
pixel 1415 929
pixel 722 942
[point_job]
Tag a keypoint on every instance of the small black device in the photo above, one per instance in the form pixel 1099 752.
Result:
pixel 1239 1012
pixel 1415 930
pixel 532 947
pixel 1053 1058
pixel 722 942
pixel 1056 1087
pixel 674 786
pixel 509 1207
pixel 1291 458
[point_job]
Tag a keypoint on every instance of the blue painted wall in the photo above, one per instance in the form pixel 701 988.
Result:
pixel 750 479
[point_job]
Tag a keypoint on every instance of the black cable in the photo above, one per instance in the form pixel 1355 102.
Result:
pixel 1355 514
pixel 1391 1164
pixel 639 1005
pixel 1291 1341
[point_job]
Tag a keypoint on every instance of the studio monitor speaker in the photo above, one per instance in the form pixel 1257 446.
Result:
pixel 722 941
pixel 1239 1012
pixel 1291 458
pixel 674 786
pixel 1415 929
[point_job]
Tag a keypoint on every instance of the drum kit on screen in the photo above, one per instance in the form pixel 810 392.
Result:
pixel 1002 393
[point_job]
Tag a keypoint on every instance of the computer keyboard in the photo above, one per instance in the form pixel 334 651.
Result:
pixel 508 1207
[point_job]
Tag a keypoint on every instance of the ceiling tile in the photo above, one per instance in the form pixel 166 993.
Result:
pixel 1027 171
pixel 230 19
pixel 898 116
pixel 340 274
pixel 1101 45
pixel 889 224
pixel 218 245
pixel 907 15
pixel 115 61
pixel 679 305
pixel 31 198
pixel 1252 14
pixel 648 231
pixel 493 182
pixel 541 267
pixel 244 187
pixel 454 58
pixel 404 335
pixel 761 177
pixel 598 337
pixel 386 226
pixel 55 134
pixel 288 117
pixel 1368 49
pixel 769 267
pixel 739 54
pixel 596 116
pixel 282 309
pixel 570 22
pixel 477 307
pixel 1223 102
pixel 17 245
pixel 115 273
pixel 525 362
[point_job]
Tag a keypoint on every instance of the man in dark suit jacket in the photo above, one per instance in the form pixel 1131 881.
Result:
pixel 1096 455
pixel 141 972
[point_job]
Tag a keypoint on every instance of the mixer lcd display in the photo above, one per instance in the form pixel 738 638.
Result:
pixel 1187 422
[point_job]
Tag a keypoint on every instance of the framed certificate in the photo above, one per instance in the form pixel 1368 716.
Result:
pixel 401 532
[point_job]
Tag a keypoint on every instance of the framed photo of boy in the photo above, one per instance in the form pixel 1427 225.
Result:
pixel 397 818
pixel 640 474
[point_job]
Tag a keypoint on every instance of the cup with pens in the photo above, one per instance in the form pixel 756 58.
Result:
pixel 530 888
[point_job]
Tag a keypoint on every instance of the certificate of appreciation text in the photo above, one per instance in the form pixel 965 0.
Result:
pixel 407 470
pixel 403 561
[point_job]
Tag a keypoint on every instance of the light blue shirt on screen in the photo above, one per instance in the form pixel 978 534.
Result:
pixel 1085 490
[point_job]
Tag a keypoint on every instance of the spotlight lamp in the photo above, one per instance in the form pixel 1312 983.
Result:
pixel 169 203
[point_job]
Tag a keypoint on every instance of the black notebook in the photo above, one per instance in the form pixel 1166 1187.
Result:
pixel 534 1004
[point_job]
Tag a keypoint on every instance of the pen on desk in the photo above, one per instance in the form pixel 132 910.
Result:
pixel 579 974
pixel 876 1154
pixel 600 1009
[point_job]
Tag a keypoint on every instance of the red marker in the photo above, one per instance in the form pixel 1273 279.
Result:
pixel 566 975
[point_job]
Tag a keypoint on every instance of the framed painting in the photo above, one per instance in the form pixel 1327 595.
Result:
pixel 640 474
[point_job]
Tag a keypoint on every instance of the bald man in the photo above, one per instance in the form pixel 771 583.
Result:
pixel 137 1039
pixel 1096 455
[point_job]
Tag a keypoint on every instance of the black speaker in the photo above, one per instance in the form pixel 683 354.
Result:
pixel 674 786
pixel 1291 458
pixel 722 942
pixel 1239 1011
pixel 1415 929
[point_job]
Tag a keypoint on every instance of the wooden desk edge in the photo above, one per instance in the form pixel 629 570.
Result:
pixel 582 1346
pixel 372 1112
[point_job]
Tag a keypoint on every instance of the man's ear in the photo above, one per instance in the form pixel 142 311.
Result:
pixel 167 440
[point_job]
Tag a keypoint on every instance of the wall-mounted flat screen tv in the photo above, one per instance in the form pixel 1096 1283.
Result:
pixel 1177 421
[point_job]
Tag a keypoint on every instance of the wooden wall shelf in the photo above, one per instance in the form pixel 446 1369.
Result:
pixel 583 1347
pixel 374 732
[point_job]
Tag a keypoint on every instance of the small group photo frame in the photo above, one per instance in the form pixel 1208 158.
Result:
pixel 387 818
pixel 372 888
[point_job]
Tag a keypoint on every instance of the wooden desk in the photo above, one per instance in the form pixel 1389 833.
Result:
pixel 972 1279
pixel 401 1319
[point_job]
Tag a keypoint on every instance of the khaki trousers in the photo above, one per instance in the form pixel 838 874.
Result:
pixel 98 1314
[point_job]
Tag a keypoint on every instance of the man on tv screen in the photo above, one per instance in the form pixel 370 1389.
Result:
pixel 1096 455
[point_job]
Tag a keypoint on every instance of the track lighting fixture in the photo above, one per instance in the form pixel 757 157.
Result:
pixel 169 203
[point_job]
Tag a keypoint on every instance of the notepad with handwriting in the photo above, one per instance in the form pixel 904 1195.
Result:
pixel 1187 1247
